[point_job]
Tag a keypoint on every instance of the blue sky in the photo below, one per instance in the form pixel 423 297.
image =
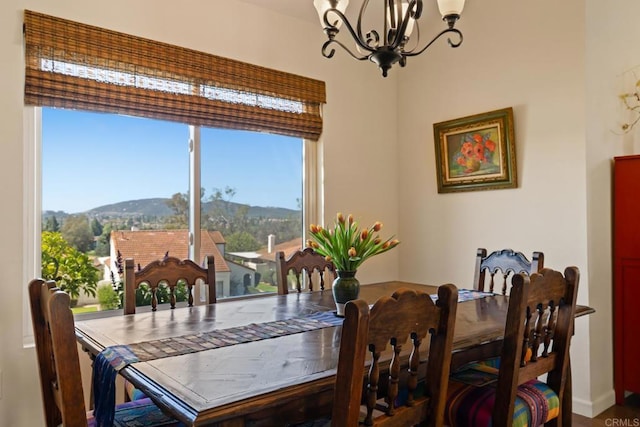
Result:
pixel 94 159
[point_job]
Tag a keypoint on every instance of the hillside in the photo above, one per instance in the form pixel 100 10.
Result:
pixel 157 207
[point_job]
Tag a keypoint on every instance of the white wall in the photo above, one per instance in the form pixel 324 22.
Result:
pixel 562 72
pixel 556 63
pixel 528 55
pixel 358 140
pixel 611 49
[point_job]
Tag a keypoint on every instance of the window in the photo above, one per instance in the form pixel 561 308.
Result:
pixel 252 193
pixel 116 186
pixel 139 94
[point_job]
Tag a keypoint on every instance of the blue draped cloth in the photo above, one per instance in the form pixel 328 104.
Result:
pixel 105 368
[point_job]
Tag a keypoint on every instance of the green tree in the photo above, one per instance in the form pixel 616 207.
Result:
pixel 77 232
pixel 102 247
pixel 108 297
pixel 240 219
pixel 103 243
pixel 179 204
pixel 96 227
pixel 221 214
pixel 72 270
pixel 51 224
pixel 241 241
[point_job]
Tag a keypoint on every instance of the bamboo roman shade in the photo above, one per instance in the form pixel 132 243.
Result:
pixel 78 66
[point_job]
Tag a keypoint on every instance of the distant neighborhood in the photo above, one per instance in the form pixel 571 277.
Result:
pixel 235 271
pixel 242 239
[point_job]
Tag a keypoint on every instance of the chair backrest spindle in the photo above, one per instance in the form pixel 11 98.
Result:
pixel 305 265
pixel 405 317
pixel 537 336
pixel 169 270
pixel 503 264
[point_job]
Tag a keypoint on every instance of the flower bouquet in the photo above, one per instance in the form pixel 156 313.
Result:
pixel 347 246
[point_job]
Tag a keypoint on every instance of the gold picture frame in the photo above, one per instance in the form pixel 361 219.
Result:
pixel 476 152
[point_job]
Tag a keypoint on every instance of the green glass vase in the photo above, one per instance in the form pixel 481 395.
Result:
pixel 345 288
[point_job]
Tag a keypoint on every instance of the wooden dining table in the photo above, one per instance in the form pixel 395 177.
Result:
pixel 266 382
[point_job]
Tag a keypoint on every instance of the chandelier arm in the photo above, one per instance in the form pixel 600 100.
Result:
pixel 359 35
pixel 398 39
pixel 332 30
pixel 390 18
pixel 330 54
pixel 451 43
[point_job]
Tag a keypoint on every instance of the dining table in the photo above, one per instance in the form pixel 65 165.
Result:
pixel 256 361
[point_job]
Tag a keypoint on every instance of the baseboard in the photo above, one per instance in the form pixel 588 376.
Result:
pixel 593 408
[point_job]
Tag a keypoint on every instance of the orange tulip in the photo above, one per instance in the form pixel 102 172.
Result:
pixel 331 242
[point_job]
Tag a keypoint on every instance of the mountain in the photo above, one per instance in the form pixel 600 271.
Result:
pixel 147 207
pixel 158 207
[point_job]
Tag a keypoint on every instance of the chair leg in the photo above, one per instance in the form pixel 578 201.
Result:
pixel 567 398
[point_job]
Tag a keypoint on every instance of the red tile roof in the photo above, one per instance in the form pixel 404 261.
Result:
pixel 145 246
pixel 288 248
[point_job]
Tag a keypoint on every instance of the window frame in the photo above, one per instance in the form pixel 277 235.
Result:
pixel 312 200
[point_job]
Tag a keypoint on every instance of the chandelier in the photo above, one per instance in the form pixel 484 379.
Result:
pixel 400 36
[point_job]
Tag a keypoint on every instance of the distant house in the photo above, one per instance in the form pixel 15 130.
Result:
pixel 145 246
pixel 268 254
pixel 242 276
pixel 103 264
pixel 264 260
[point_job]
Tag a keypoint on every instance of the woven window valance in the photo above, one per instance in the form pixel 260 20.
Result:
pixel 78 66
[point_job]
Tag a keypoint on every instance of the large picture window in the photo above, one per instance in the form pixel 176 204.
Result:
pixel 117 187
pixel 146 149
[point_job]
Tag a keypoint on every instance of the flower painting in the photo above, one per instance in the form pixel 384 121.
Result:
pixel 476 155
pixel 476 152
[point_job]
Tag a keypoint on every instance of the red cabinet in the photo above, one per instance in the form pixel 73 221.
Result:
pixel 626 275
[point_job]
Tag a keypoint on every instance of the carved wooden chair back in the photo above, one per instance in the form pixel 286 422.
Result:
pixel 537 336
pixel 168 271
pixel 57 353
pixel 307 267
pixel 59 367
pixel 406 316
pixel 506 262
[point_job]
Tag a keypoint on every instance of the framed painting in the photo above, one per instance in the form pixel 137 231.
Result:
pixel 476 152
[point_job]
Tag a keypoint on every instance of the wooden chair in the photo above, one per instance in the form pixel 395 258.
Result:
pixel 501 265
pixel 406 315
pixel 305 265
pixel 59 365
pixel 507 263
pixel 536 341
pixel 170 271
